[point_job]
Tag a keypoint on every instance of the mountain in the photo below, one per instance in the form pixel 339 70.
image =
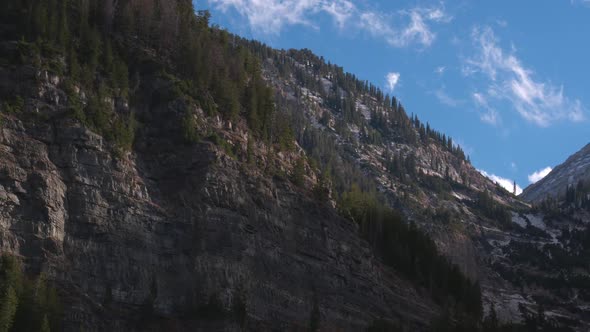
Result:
pixel 576 168
pixel 157 173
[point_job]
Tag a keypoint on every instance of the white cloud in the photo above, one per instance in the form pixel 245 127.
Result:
pixel 540 174
pixel 416 30
pixel 538 102
pixel 270 16
pixel 480 99
pixel 392 80
pixel 437 14
pixel 440 70
pixel 489 115
pixel 505 183
pixel 340 11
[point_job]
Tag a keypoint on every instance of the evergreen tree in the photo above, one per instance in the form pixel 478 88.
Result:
pixel 120 76
pixel 299 172
pixel 189 130
pixel 74 66
pixel 8 307
pixel 63 30
pixel 107 55
pixel 45 325
pixel 315 316
pixel 24 303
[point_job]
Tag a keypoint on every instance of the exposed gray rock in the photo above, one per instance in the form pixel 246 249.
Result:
pixel 181 225
pixel 555 184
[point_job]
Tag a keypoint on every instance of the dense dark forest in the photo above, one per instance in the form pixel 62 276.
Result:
pixel 411 252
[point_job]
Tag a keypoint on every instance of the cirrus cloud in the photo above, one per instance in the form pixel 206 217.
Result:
pixel 415 31
pixel 445 99
pixel 269 16
pixel 400 29
pixel 538 102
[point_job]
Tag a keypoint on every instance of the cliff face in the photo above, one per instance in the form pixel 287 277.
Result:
pixel 211 234
pixel 176 230
pixel 522 258
pixel 554 185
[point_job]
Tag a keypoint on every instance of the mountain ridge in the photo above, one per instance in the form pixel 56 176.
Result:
pixel 227 185
pixel 575 168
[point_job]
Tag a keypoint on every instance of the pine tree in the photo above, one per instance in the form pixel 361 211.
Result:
pixel 315 316
pixel 8 307
pixel 52 21
pixel 120 75
pixel 299 172
pixel 189 128
pixel 45 325
pixel 63 29
pixel 107 56
pixel 251 106
pixel 74 65
pixel 251 158
pixel 40 20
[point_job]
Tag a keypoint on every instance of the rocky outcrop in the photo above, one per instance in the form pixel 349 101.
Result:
pixel 213 235
pixel 172 231
pixel 554 185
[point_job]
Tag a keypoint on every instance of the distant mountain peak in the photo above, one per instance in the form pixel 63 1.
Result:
pixel 555 184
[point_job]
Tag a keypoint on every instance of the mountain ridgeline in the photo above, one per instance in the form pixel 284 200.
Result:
pixel 573 174
pixel 159 173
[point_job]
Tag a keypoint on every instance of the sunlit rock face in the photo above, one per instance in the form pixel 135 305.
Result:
pixel 575 168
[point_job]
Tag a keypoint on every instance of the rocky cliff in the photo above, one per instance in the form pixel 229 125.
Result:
pixel 554 185
pixel 523 258
pixel 199 189
pixel 180 229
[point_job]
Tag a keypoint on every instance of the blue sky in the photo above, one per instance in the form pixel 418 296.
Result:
pixel 508 80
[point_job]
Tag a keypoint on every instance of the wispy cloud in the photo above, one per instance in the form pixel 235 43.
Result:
pixel 489 114
pixel 416 30
pixel 505 183
pixel 536 101
pixel 445 99
pixel 271 16
pixel 540 174
pixel 392 80
pixel 340 11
